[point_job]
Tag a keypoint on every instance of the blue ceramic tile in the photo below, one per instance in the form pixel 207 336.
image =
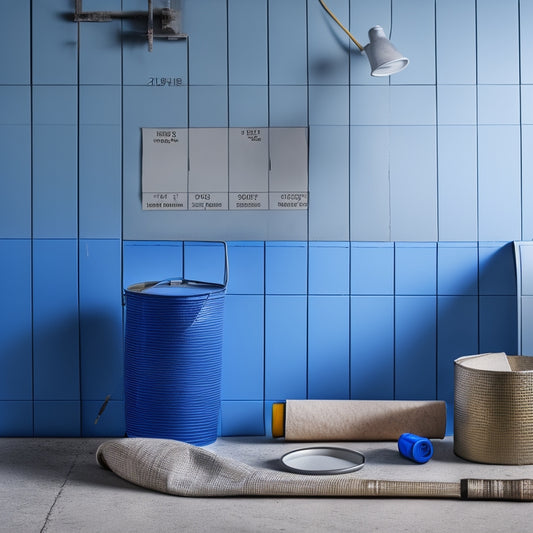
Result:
pixel 418 46
pixel 450 409
pixel 100 182
pixel 15 161
pixel 415 268
pixel 457 268
pixel 247 44
pixel 246 267
pixel 497 64
pixel 18 110
pixel 55 191
pixel 287 42
pixel 268 417
pixel 100 162
pixel 110 423
pixel 242 418
pixel 527 182
pixel 329 204
pixel 15 44
pixel 55 320
pixel 457 105
pixel 151 261
pixel 288 106
pixel 15 327
pixel 204 262
pixel 101 333
pixel 328 46
pixel 57 419
pixel 457 328
pixel 285 347
pixel 525 332
pixel 370 105
pixel 16 419
pixel 498 104
pixel 456 57
pixel 55 105
pixel 372 348
pixel 357 194
pixel 421 112
pixel 413 167
pixel 499 183
pixel 206 25
pixel 523 252
pixel 168 108
pixel 100 52
pixel 100 105
pixel 329 105
pixel 242 354
pixel 457 189
pixel 248 106
pixel 498 324
pixel 369 183
pixel 286 268
pixel 208 106
pixel 415 348
pixel 54 43
pixel 372 268
pixel 328 366
pixel 496 269
pixel 526 104
pixel 329 268
pixel 526 41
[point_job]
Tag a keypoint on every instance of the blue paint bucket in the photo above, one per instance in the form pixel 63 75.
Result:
pixel 173 359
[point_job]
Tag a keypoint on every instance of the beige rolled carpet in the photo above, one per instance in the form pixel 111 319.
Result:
pixel 362 420
pixel 181 469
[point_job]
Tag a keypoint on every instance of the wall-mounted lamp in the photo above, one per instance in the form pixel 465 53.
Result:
pixel 383 57
pixel 161 23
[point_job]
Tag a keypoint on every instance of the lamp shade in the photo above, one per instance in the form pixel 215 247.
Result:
pixel 383 56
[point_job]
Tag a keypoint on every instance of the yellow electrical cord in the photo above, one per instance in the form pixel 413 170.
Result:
pixel 342 27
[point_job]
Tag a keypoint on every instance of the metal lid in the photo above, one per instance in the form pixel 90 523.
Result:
pixel 323 460
pixel 176 287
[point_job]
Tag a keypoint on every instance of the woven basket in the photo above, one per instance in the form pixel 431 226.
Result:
pixel 493 415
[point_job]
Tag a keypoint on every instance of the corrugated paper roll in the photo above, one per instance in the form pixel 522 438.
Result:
pixel 357 420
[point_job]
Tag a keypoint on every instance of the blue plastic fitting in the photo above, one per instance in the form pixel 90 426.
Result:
pixel 418 449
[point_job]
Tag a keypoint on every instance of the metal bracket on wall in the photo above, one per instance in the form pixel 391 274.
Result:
pixel 161 22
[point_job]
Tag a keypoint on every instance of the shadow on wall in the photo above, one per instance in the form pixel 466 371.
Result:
pixel 16 384
pixel 476 312
pixel 56 383
pixel 412 337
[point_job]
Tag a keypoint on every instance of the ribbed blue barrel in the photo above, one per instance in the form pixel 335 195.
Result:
pixel 173 358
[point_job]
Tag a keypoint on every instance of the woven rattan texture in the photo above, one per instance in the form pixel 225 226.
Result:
pixel 493 418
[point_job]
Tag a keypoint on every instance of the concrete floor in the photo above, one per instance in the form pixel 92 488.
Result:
pixel 55 486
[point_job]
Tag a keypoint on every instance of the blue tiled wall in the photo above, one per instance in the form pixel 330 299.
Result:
pixel 418 184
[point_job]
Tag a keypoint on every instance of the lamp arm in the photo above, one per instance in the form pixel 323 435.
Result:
pixel 359 45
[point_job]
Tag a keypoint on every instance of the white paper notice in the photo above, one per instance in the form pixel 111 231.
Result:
pixel 288 179
pixel 206 169
pixel 248 168
pixel 164 168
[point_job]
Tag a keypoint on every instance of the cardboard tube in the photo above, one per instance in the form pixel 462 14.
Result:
pixel 357 420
